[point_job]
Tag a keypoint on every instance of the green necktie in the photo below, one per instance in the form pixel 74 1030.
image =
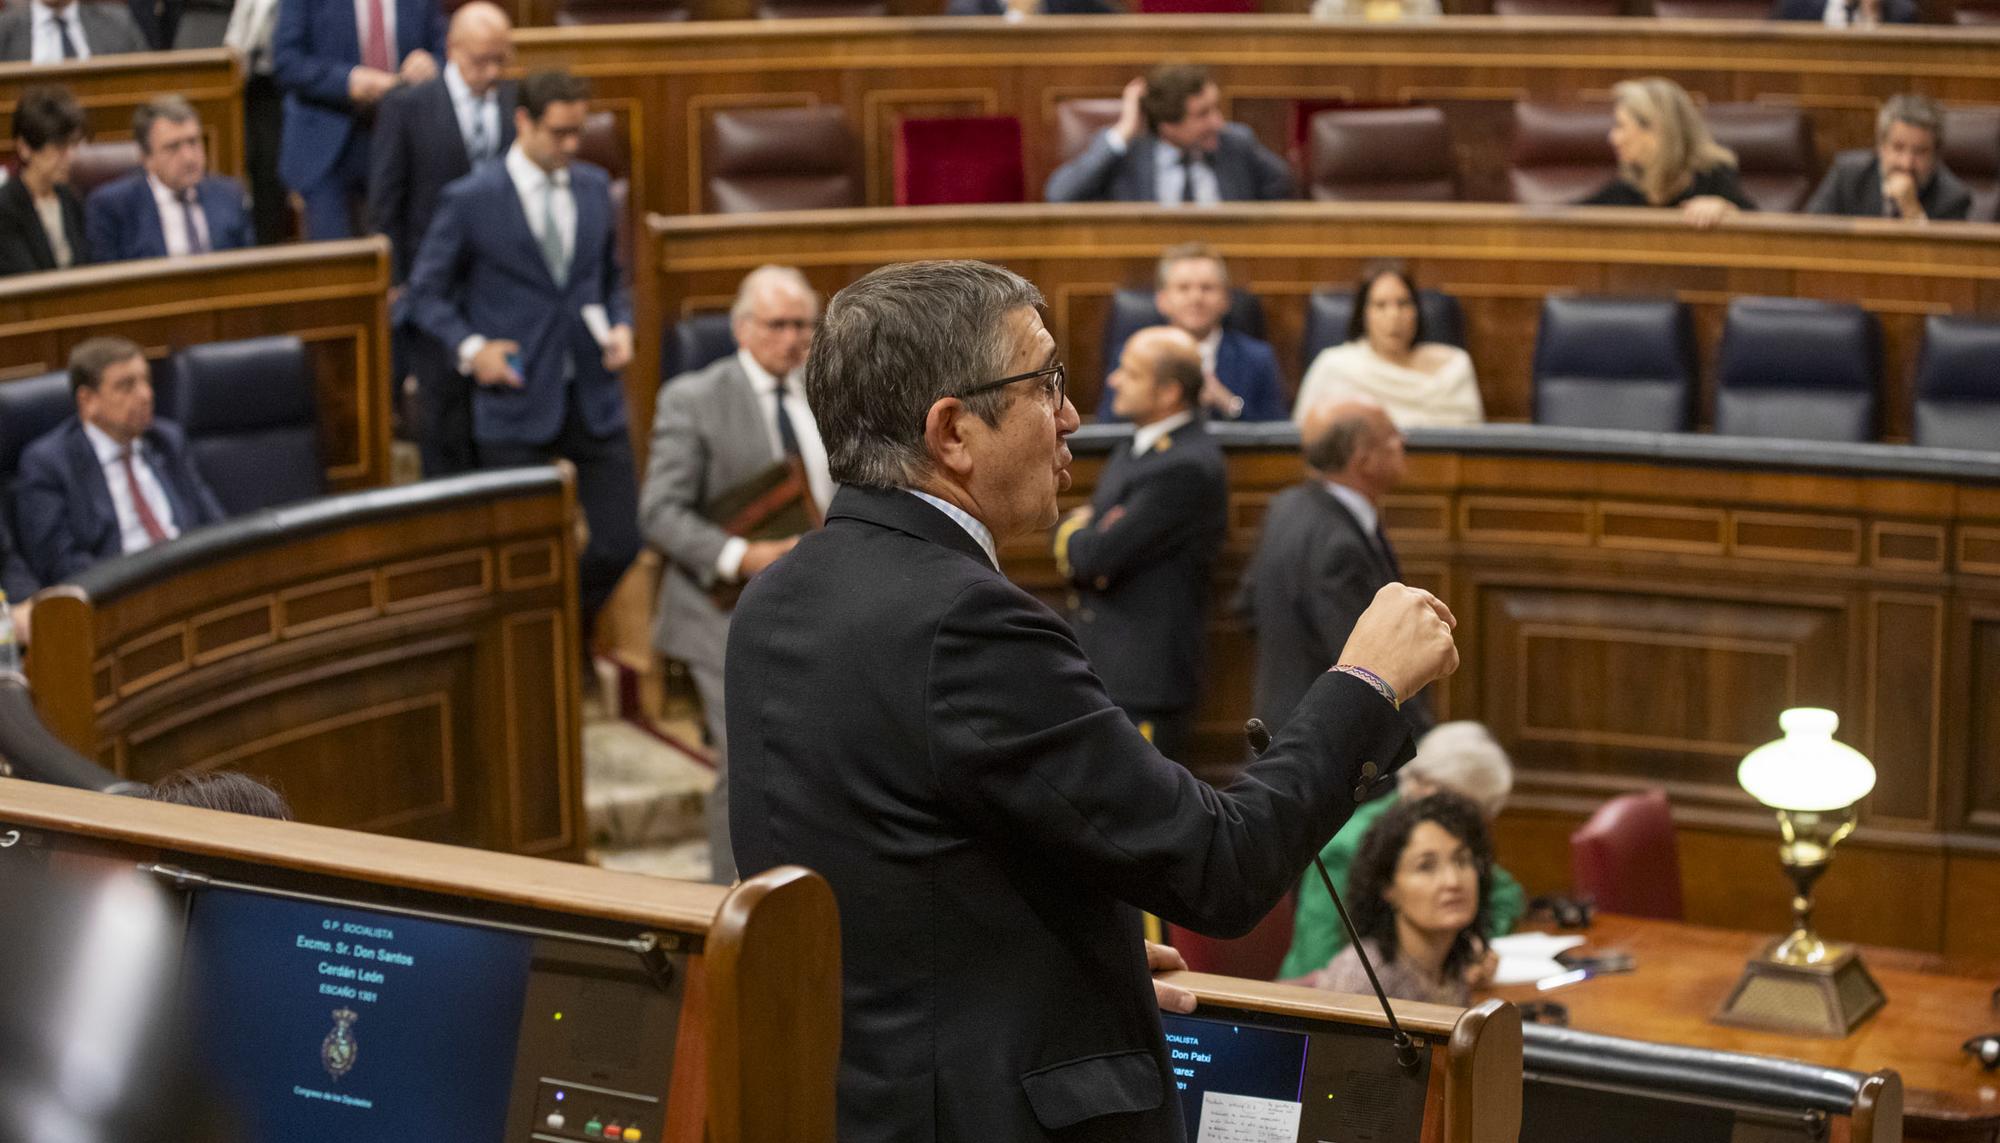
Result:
pixel 552 243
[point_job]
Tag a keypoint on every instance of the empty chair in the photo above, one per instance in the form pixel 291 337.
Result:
pixel 695 342
pixel 1972 14
pixel 1958 384
pixel 29 408
pixel 1615 363
pixel 1132 309
pixel 1625 857
pixel 1774 151
pixel 1078 121
pixel 1567 9
pixel 1798 368
pixel 1972 151
pixel 963 159
pixel 1256 955
pixel 1397 154
pixel 1559 154
pixel 1711 9
pixel 252 420
pixel 1330 309
pixel 604 143
pixel 580 13
pixel 780 158
pixel 98 163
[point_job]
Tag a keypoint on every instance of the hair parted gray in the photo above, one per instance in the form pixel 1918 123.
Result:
pixel 765 277
pixel 1919 111
pixel 894 343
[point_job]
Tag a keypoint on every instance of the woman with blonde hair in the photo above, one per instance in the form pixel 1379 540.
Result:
pixel 1666 157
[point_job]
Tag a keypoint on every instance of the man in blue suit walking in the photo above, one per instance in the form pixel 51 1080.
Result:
pixel 518 277
pixel 171 205
pixel 335 60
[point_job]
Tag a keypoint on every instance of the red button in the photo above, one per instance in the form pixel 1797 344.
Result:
pixel 613 1130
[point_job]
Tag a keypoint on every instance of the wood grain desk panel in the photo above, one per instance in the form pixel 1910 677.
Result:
pixel 110 88
pixel 1684 973
pixel 331 295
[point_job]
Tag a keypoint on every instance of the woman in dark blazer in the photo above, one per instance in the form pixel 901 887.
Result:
pixel 41 218
pixel 1666 156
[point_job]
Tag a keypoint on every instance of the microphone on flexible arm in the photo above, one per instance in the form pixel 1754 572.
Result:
pixel 1406 1049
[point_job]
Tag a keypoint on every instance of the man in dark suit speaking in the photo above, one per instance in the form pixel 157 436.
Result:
pixel 1172 146
pixel 931 738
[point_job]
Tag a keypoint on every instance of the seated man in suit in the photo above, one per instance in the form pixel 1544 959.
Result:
pixel 1902 177
pixel 1138 556
pixel 111 480
pixel 1240 372
pixel 425 137
pixel 52 31
pixel 1171 146
pixel 171 205
pixel 1847 13
pixel 1323 556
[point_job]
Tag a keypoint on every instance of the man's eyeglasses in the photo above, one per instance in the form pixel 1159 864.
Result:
pixel 787 325
pixel 1052 389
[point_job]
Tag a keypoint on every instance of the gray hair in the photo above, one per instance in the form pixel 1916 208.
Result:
pixel 1463 757
pixel 763 277
pixel 1919 111
pixel 172 108
pixel 896 342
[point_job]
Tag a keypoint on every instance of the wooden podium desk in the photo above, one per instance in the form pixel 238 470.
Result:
pixel 1684 972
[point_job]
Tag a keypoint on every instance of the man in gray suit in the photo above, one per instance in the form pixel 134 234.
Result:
pixel 42 31
pixel 1172 146
pixel 715 429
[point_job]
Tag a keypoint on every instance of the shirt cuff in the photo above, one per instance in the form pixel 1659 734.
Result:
pixel 729 565
pixel 598 322
pixel 467 350
pixel 1114 141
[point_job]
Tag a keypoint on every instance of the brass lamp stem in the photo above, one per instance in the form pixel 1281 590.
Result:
pixel 1808 847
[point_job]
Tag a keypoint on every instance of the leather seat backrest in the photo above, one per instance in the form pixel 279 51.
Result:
pixel 1626 858
pixel 694 342
pixel 1397 154
pixel 1798 368
pixel 1560 153
pixel 95 164
pixel 586 13
pixel 1958 384
pixel 1774 151
pixel 1972 152
pixel 1615 363
pixel 1078 121
pixel 252 420
pixel 780 158
pixel 967 159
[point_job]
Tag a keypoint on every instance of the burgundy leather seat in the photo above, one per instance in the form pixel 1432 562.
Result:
pixel 963 159
pixel 780 158
pixel 1711 9
pixel 1774 151
pixel 1256 955
pixel 1391 154
pixel 98 163
pixel 1625 857
pixel 1561 153
pixel 1972 151
pixel 1568 9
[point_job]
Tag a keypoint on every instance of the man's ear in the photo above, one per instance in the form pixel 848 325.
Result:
pixel 944 436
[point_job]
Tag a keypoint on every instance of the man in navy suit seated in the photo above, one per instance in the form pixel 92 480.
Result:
pixel 1172 146
pixel 518 278
pixel 171 205
pixel 1192 293
pixel 111 480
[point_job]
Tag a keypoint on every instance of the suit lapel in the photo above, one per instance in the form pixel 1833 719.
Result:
pixel 1228 175
pixel 152 226
pixel 445 117
pixel 590 223
pixel 1146 167
pixel 524 241
pixel 87 474
pixel 31 222
pixel 1383 560
pixel 748 411
pixel 157 458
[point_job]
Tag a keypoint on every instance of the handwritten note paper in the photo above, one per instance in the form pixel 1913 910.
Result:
pixel 1247 1119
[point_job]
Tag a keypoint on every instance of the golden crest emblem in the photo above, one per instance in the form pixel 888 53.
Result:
pixel 338 1051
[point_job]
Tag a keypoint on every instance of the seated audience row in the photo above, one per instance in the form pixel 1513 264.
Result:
pixel 1240 372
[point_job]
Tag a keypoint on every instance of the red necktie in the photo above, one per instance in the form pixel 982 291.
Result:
pixel 375 47
pixel 147 520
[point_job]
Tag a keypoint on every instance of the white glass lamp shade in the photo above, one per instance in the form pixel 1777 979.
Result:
pixel 1807 770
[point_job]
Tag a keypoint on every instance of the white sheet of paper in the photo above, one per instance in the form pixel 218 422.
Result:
pixel 1247 1119
pixel 1528 957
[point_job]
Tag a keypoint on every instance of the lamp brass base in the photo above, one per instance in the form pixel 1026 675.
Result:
pixel 1827 999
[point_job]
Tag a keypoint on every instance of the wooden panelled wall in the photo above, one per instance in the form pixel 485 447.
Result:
pixel 331 295
pixel 112 87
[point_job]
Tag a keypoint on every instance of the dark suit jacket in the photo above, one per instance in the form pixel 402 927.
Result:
pixel 16 578
pixel 1893 11
pixel 1314 573
pixel 931 739
pixel 24 245
pixel 1141 609
pixel 315 45
pixel 122 220
pixel 1245 170
pixel 1720 180
pixel 418 149
pixel 1853 185
pixel 1246 367
pixel 108 30
pixel 63 513
pixel 480 271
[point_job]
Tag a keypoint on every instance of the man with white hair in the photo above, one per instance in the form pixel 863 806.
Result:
pixel 715 430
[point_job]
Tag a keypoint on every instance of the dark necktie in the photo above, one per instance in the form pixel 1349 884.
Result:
pixel 788 438
pixel 190 207
pixel 479 147
pixel 151 523
pixel 69 51
pixel 375 42
pixel 1188 161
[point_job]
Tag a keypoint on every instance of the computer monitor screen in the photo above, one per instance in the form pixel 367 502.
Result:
pixel 1257 1077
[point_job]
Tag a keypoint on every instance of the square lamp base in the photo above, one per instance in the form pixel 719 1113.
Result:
pixel 1828 999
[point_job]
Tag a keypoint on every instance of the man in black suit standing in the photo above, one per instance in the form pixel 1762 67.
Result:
pixel 1139 555
pixel 1323 556
pixel 425 137
pixel 1172 146
pixel 931 739
pixel 1902 177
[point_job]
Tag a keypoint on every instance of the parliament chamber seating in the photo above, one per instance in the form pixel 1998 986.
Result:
pixel 780 158
pixel 1396 154
pixel 1132 310
pixel 1711 10
pixel 1329 309
pixel 1078 121
pixel 1256 955
pixel 1972 152
pixel 604 143
pixel 1774 151
pixel 968 159
pixel 821 9
pixel 1590 9
pixel 95 164
pixel 1615 363
pixel 1958 384
pixel 1798 368
pixel 1626 860
pixel 693 342
pixel 29 408
pixel 251 421
pixel 589 13
pixel 1560 153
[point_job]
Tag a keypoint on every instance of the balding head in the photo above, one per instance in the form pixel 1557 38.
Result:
pixel 1355 443
pixel 480 43
pixel 1159 374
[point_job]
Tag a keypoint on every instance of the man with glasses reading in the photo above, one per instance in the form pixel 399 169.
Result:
pixel 717 430
pixel 931 739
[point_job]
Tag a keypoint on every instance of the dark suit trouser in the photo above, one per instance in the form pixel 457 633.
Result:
pixel 443 425
pixel 331 202
pixel 263 130
pixel 607 487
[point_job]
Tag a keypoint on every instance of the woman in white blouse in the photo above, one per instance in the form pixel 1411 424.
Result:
pixel 1387 360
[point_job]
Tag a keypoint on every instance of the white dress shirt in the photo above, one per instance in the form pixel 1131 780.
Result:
pixel 1358 504
pixel 980 533
pixel 534 187
pixel 132 533
pixel 50 211
pixel 251 25
pixel 477 114
pixel 176 216
pixel 1146 436
pixel 812 450
pixel 48 35
pixel 1170 176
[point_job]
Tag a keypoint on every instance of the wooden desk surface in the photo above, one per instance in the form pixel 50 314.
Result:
pixel 1685 971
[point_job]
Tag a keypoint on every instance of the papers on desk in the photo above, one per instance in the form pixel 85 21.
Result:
pixel 1528 957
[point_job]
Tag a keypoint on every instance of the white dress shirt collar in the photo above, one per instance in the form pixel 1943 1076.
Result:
pixel 1355 502
pixel 176 215
pixel 1146 436
pixel 1169 174
pixel 980 533
pixel 481 111
pixel 1210 346
pixel 47 45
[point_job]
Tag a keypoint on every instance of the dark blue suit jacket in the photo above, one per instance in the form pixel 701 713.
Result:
pixel 1247 367
pixel 480 271
pixel 63 513
pixel 313 48
pixel 418 150
pixel 122 221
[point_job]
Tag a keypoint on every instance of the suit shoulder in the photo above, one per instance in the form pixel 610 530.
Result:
pixel 1254 347
pixel 46 451
pixel 700 387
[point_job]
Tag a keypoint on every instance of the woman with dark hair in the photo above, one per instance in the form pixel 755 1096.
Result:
pixel 41 218
pixel 1666 156
pixel 1386 359
pixel 1417 893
